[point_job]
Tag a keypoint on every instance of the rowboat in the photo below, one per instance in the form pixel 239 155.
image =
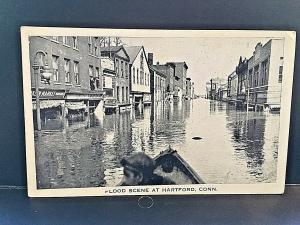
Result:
pixel 171 165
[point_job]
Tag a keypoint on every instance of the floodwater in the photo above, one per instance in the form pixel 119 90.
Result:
pixel 234 147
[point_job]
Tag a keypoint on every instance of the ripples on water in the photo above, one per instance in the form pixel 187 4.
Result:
pixel 235 147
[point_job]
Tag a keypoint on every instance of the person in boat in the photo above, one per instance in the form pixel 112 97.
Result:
pixel 139 170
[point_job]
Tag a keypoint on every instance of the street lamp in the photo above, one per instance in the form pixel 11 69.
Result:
pixel 40 71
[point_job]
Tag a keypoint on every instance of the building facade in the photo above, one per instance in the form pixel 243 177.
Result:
pixel 121 60
pixel 232 88
pixel 180 80
pixel 265 69
pixel 75 84
pixel 109 84
pixel 168 70
pixel 139 75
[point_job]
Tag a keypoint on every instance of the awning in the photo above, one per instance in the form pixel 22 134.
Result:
pixel 75 105
pixel 46 104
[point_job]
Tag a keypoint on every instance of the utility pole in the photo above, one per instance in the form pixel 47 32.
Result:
pixel 211 84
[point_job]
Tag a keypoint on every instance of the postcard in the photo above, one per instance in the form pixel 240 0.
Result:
pixel 113 112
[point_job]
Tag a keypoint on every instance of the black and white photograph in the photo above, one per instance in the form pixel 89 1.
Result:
pixel 148 112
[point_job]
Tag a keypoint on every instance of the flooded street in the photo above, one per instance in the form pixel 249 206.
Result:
pixel 235 147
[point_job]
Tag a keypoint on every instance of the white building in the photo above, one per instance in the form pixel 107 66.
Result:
pixel 139 75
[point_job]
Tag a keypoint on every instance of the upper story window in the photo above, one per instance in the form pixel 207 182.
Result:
pixel 142 60
pixel 122 69
pixel 97 72
pixel 76 72
pixel 90 45
pixel 250 77
pixel 96 50
pixel 264 70
pixel 280 74
pixel 91 73
pixel 75 42
pixel 117 67
pixel 67 70
pixel 66 40
pixel 55 68
pixel 256 75
pixel 137 76
pixel 126 70
pixel 133 75
pixel 55 38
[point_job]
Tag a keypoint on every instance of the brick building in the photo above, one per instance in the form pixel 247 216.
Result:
pixel 265 69
pixel 121 60
pixel 169 71
pixel 180 80
pixel 157 82
pixel 75 86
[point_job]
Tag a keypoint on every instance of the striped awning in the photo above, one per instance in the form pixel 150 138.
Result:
pixel 75 105
pixel 46 104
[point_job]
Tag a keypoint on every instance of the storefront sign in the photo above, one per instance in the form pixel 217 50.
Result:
pixel 49 94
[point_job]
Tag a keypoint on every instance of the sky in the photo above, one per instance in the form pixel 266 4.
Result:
pixel 206 57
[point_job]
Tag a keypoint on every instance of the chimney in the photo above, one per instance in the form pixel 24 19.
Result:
pixel 150 58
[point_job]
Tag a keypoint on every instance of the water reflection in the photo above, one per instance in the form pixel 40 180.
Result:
pixel 236 147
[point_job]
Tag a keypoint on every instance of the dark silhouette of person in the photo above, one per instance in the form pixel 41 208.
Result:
pixel 139 170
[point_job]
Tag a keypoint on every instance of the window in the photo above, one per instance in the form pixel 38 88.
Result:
pixel 133 75
pixel 55 68
pixel 66 40
pixel 250 78
pixel 75 42
pixel 55 38
pixel 96 50
pixel 137 76
pixel 264 71
pixel 67 70
pixel 126 70
pixel 90 45
pixel 280 74
pixel 103 81
pixel 97 72
pixel 256 75
pixel 118 93
pixel 142 61
pixel 117 67
pixel 122 69
pixel 91 74
pixel 126 94
pixel 76 72
pixel 122 94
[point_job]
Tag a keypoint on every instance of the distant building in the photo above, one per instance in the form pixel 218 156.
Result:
pixel 139 75
pixel 189 89
pixel 157 82
pixel 180 80
pixel 121 60
pixel 75 86
pixel 242 73
pixel 232 88
pixel 265 69
pixel 212 87
pixel 222 92
pixel 169 70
